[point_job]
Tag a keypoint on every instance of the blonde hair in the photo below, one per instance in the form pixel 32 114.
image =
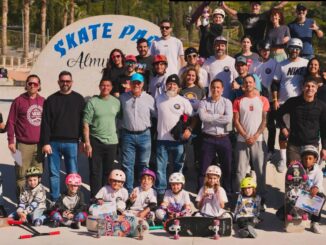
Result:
pixel 215 186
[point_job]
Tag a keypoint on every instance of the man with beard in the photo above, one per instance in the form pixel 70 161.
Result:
pixel 170 106
pixel 144 61
pixel 221 66
pixel 61 130
pixel 287 83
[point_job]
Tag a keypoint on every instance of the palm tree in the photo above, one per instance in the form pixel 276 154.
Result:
pixel 4 26
pixel 72 11
pixel 26 27
pixel 43 23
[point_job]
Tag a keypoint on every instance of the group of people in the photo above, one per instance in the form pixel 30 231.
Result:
pixel 163 104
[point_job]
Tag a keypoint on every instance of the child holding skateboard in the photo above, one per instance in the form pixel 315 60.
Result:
pixel 70 208
pixel 247 208
pixel 211 197
pixel 114 191
pixel 176 201
pixel 309 156
pixel 142 201
pixel 32 199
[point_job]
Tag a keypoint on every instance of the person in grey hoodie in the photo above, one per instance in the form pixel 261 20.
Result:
pixel 23 129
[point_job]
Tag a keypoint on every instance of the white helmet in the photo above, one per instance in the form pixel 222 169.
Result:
pixel 219 11
pixel 213 169
pixel 118 175
pixel 309 149
pixel 177 178
pixel 295 42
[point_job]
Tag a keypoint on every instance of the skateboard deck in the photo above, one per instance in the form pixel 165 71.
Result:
pixel 199 227
pixel 295 181
pixel 106 208
pixel 117 225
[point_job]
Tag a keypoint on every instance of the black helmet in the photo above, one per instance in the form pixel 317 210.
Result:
pixel 262 44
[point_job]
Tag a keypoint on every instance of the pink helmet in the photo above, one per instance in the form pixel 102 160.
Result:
pixel 149 172
pixel 118 175
pixel 73 179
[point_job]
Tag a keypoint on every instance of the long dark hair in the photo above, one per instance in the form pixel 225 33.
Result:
pixel 110 64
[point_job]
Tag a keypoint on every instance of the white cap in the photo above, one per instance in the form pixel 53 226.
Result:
pixel 219 11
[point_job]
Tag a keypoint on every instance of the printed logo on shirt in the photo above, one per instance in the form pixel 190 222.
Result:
pixel 177 106
pixel 34 115
pixel 226 69
pixel 251 108
pixel 190 95
pixel 292 71
pixel 268 70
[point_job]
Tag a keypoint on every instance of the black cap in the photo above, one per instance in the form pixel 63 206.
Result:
pixel 300 6
pixel 173 79
pixel 190 50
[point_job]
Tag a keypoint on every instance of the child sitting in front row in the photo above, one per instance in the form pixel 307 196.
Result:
pixel 142 201
pixel 247 209
pixel 70 208
pixel 176 202
pixel 211 197
pixel 114 191
pixel 32 199
pixel 309 156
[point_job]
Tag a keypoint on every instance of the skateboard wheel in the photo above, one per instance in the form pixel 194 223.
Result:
pixel 304 177
pixel 176 237
pixel 289 177
pixel 216 222
pixel 304 217
pixel 216 237
pixel 289 217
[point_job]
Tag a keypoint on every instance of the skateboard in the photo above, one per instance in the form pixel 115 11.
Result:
pixel 117 225
pixel 199 227
pixel 295 181
pixel 106 208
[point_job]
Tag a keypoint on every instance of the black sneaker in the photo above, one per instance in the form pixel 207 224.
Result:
pixel 252 232
pixel 243 233
pixel 75 225
pixel 3 213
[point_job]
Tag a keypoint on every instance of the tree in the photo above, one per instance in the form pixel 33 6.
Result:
pixel 72 11
pixel 43 23
pixel 4 26
pixel 26 27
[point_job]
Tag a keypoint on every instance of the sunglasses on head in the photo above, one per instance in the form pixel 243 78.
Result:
pixel 30 84
pixel 165 27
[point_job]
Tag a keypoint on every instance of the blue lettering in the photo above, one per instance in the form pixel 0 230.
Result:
pixel 106 30
pixel 70 40
pixel 127 30
pixel 139 34
pixel 82 34
pixel 58 48
pixel 152 38
pixel 94 30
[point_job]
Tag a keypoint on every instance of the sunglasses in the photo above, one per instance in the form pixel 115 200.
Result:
pixel 65 81
pixel 30 84
pixel 165 27
pixel 128 63
pixel 294 49
pixel 192 55
pixel 116 56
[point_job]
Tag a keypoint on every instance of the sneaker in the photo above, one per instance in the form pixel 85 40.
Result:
pixel 75 225
pixel 38 222
pixel 243 233
pixel 269 156
pixel 55 224
pixel 281 166
pixel 3 213
pixel 251 231
pixel 315 228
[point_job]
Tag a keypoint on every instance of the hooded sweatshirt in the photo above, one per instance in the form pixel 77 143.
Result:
pixel 24 119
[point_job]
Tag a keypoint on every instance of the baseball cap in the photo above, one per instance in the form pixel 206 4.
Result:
pixel 131 58
pixel 219 11
pixel 160 58
pixel 137 77
pixel 190 50
pixel 220 39
pixel 173 79
pixel 300 6
pixel 241 59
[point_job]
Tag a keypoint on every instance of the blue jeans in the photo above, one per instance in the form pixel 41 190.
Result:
pixel 69 152
pixel 31 217
pixel 164 148
pixel 136 150
pixel 1 191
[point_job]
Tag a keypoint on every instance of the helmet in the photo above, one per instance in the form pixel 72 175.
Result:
pixel 190 50
pixel 177 178
pixel 219 11
pixel 309 149
pixel 263 45
pixel 149 172
pixel 295 42
pixel 160 58
pixel 118 175
pixel 73 179
pixel 33 171
pixel 248 182
pixel 213 169
pixel 131 58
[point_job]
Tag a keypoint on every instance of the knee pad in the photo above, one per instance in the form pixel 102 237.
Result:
pixel 160 214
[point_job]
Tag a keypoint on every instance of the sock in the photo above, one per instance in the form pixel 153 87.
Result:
pixel 283 154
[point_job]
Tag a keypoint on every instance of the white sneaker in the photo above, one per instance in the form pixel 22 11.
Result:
pixel 281 166
pixel 315 228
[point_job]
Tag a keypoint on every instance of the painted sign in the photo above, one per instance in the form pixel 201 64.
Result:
pixel 83 48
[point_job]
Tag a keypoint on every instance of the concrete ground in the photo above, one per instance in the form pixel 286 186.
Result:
pixel 270 231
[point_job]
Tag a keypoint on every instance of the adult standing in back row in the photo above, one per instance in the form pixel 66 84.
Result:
pixel 61 130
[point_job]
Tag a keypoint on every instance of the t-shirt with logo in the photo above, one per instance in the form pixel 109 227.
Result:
pixel 250 111
pixel 222 69
pixel 176 202
pixel 144 198
pixel 157 85
pixel 145 67
pixel 169 110
pixel 194 94
pixel 109 195
pixel 291 75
